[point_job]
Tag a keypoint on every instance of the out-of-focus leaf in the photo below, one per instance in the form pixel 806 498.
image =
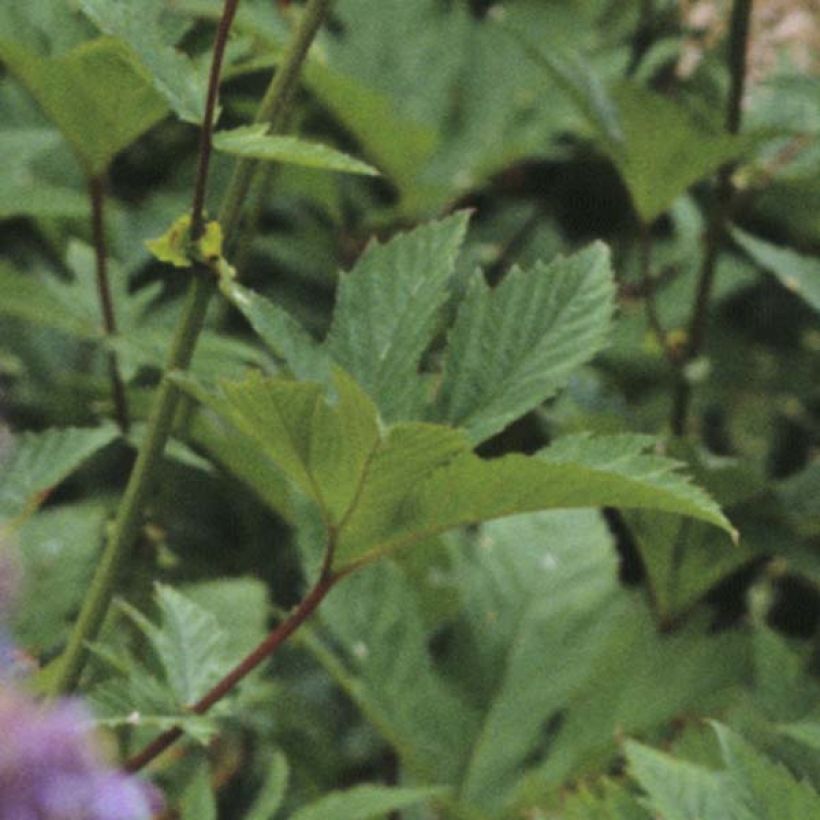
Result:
pixel 95 94
pixel 386 311
pixel 513 347
pixel 38 461
pixel 664 149
pixel 272 793
pixel 253 142
pixel 140 24
pixel 364 803
pixel 798 273
pixel 679 790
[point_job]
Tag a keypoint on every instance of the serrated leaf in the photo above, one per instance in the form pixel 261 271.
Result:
pixel 173 73
pixel 94 94
pixel 386 310
pixel 323 449
pixel 253 142
pixel 766 789
pixel 514 346
pixel 46 302
pixel 39 461
pixel 364 803
pixel 380 491
pixel 577 471
pixel 677 789
pixel 190 644
pixel 283 335
pixel 798 273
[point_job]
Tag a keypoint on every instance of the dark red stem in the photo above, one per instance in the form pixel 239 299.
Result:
pixel 262 652
pixel 201 183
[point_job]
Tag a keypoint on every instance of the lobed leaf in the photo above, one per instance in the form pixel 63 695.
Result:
pixel 140 24
pixel 513 347
pixel 386 312
pixel 39 461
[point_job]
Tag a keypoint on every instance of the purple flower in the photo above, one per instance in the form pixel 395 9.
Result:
pixel 50 767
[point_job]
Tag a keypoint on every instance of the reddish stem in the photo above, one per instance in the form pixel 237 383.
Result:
pixel 201 183
pixel 263 651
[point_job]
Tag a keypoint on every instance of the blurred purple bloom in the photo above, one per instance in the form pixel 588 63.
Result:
pixel 50 768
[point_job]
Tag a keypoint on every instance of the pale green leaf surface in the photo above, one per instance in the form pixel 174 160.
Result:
pixel 514 346
pixel 253 142
pixel 283 334
pixel 190 644
pixel 679 790
pixel 174 75
pixel 798 273
pixel 323 449
pixel 386 668
pixel 95 95
pixel 766 789
pixel 577 471
pixel 364 803
pixel 38 461
pixel 58 548
pixel 386 311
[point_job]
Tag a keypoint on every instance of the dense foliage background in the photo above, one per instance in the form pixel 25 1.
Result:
pixel 574 663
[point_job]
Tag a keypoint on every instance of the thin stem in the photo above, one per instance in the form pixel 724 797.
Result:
pixel 126 526
pixel 250 662
pixel 205 135
pixel 720 215
pixel 649 287
pixel 273 110
pixel 96 192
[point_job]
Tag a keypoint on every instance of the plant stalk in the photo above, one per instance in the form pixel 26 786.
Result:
pixel 126 525
pixel 96 192
pixel 250 662
pixel 720 215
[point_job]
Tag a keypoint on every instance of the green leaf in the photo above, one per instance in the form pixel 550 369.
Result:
pixel 272 793
pixel 806 732
pixel 765 789
pixel 513 347
pixel 283 334
pixel 95 94
pixel 45 301
pixel 198 799
pixel 174 75
pixel 39 461
pixel 58 550
pixel 677 789
pixel 253 142
pixel 190 644
pixel 380 491
pixel 798 273
pixel 577 471
pixel 323 449
pixel 386 312
pixel 664 150
pixel 605 800
pixel 364 803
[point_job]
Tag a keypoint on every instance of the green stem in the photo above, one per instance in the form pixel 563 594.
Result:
pixel 96 192
pixel 721 213
pixel 126 526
